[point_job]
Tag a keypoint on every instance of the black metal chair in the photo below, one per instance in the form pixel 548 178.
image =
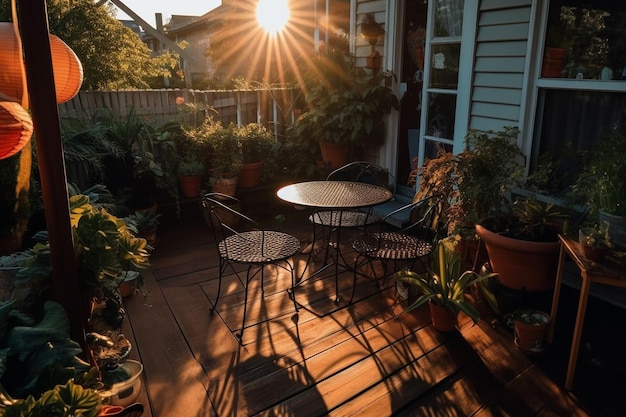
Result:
pixel 400 248
pixel 240 240
pixel 332 220
pixel 360 171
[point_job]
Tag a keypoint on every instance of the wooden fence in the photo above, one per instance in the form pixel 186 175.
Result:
pixel 272 108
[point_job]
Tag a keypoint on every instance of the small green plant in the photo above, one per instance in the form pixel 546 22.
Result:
pixel 531 317
pixel 190 166
pixel 596 236
pixel 447 286
pixel 538 221
pixel 142 221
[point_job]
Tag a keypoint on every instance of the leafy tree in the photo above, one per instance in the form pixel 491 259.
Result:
pixel 112 55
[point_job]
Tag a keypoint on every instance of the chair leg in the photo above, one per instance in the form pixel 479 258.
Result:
pixel 245 306
pixel 219 284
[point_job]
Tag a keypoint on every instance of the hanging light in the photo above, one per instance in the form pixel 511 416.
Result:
pixel 67 69
pixel 16 126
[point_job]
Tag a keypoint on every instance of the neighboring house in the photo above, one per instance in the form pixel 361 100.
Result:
pixel 480 64
pixel 223 41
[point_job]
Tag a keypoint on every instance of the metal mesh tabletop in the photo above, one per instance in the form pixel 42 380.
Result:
pixel 334 194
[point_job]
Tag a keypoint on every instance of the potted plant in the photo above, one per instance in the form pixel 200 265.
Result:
pixel 119 375
pixel 445 289
pixel 473 184
pixel 345 106
pixel 601 184
pixel 256 145
pixel 224 153
pixel 144 224
pixel 530 330
pixel 596 241
pixel 190 170
pixel 523 246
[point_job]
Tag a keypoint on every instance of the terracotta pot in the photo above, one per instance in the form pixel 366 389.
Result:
pixel 127 288
pixel 443 319
pixel 553 63
pixel 594 254
pixel 250 174
pixel 335 155
pixel 227 186
pixel 532 338
pixel 521 264
pixel 190 185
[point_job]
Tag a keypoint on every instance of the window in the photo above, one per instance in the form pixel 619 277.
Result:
pixel 586 40
pixel 582 93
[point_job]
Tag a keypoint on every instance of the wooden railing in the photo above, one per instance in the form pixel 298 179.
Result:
pixel 272 108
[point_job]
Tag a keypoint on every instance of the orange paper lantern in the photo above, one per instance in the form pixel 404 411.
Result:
pixel 67 69
pixel 16 127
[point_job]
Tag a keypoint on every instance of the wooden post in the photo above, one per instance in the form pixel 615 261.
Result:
pixel 33 19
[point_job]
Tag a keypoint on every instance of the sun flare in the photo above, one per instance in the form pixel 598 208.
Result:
pixel 272 15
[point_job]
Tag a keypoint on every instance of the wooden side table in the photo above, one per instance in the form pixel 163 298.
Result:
pixel 606 273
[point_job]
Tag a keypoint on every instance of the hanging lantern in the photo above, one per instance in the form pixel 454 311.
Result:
pixel 67 69
pixel 16 127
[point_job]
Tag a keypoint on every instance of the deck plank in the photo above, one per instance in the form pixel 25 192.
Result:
pixel 369 358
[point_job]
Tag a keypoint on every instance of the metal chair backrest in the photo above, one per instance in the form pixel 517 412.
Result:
pixel 365 172
pixel 424 220
pixel 226 221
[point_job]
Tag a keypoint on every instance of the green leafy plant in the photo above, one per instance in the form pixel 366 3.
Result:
pixel 446 286
pixel 61 401
pixel 142 221
pixel 190 166
pixel 474 183
pixel 344 104
pixel 36 350
pixel 601 183
pixel 531 317
pixel 257 142
pixel 223 146
pixel 538 221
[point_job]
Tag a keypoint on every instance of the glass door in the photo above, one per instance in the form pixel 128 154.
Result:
pixel 429 81
pixel 441 76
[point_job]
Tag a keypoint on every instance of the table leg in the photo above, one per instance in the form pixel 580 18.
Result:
pixel 578 329
pixel 557 292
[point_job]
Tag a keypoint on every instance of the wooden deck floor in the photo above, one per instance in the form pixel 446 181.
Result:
pixel 338 360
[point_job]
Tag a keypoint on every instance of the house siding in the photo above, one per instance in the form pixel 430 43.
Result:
pixel 500 61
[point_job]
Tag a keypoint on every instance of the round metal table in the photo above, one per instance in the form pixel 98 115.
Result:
pixel 335 196
pixel 339 195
